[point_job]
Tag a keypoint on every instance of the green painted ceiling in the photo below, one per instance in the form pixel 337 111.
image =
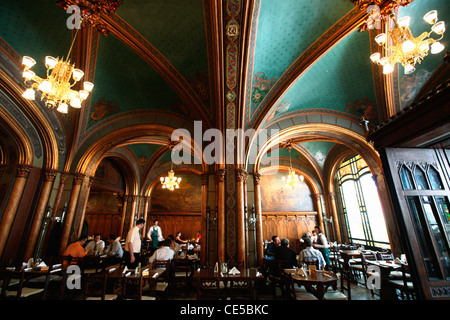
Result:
pixel 136 85
pixel 343 75
pixel 176 28
pixel 286 28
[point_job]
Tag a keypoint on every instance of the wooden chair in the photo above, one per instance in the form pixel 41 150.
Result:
pixel 405 284
pixel 132 288
pixel 210 288
pixel 183 272
pixel 165 280
pixel 346 277
pixel 15 286
pixel 364 258
pixel 274 275
pixel 95 287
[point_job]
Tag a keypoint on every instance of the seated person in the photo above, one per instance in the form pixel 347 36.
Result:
pixel 114 248
pixel 173 244
pixel 96 246
pixel 270 250
pixel 163 253
pixel 283 252
pixel 197 238
pixel 76 249
pixel 178 238
pixel 311 255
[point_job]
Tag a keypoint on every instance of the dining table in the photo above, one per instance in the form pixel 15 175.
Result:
pixel 316 282
pixel 387 292
pixel 243 275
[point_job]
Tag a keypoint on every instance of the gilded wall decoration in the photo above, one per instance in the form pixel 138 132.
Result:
pixel 103 108
pixel 363 108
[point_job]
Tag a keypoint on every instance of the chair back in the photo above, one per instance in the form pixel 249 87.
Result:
pixel 385 256
pixel 132 288
pixel 95 286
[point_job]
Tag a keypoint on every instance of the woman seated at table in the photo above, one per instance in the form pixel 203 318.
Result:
pixel 178 238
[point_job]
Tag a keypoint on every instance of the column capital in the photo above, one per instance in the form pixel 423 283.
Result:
pixel 49 175
pixel 23 171
pixel 78 178
pixel 317 196
pixel 220 175
pixel 256 178
pixel 241 175
pixel 63 177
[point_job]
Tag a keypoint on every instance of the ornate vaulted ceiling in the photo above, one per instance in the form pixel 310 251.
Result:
pixel 163 63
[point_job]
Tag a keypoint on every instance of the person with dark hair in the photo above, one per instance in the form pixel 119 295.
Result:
pixel 114 249
pixel 270 250
pixel 322 245
pixel 173 244
pixel 178 238
pixel 164 253
pixel 155 234
pixel 311 255
pixel 96 246
pixel 133 245
pixel 76 249
pixel 283 252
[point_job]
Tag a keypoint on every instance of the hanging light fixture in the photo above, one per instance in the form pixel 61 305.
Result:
pixel 293 179
pixel 405 48
pixel 56 88
pixel 170 182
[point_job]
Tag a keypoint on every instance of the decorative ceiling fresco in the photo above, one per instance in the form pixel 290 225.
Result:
pixel 165 63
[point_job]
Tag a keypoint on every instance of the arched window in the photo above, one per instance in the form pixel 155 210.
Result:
pixel 362 208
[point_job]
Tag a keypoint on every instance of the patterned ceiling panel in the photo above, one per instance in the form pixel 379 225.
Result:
pixel 177 30
pixel 340 81
pixel 285 30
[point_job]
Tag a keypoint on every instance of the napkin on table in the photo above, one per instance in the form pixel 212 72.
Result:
pixel 234 271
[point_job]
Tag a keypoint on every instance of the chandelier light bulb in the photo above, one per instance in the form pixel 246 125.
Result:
pixel 29 94
pixel 28 62
pixel 88 86
pixel 77 74
pixel 50 62
pixel 431 17
pixel 403 22
pixel 28 74
pixel 388 68
pixel 84 94
pixel 424 47
pixel 45 86
pixel 76 103
pixel 375 57
pixel 63 108
pixel 408 46
pixel 381 38
pixel 409 68
pixel 437 47
pixel 439 27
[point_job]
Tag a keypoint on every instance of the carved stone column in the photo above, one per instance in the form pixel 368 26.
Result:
pixel 319 210
pixel 241 176
pixel 124 211
pixel 258 216
pixel 205 180
pixel 146 206
pixel 68 219
pixel 84 203
pixel 49 178
pixel 133 211
pixel 13 203
pixel 335 217
pixel 220 180
pixel 62 181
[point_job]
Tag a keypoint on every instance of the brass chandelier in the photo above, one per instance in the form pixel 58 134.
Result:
pixel 405 48
pixel 293 179
pixel 170 182
pixel 56 88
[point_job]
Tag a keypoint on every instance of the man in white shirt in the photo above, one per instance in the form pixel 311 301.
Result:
pixel 114 248
pixel 96 246
pixel 132 252
pixel 163 253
